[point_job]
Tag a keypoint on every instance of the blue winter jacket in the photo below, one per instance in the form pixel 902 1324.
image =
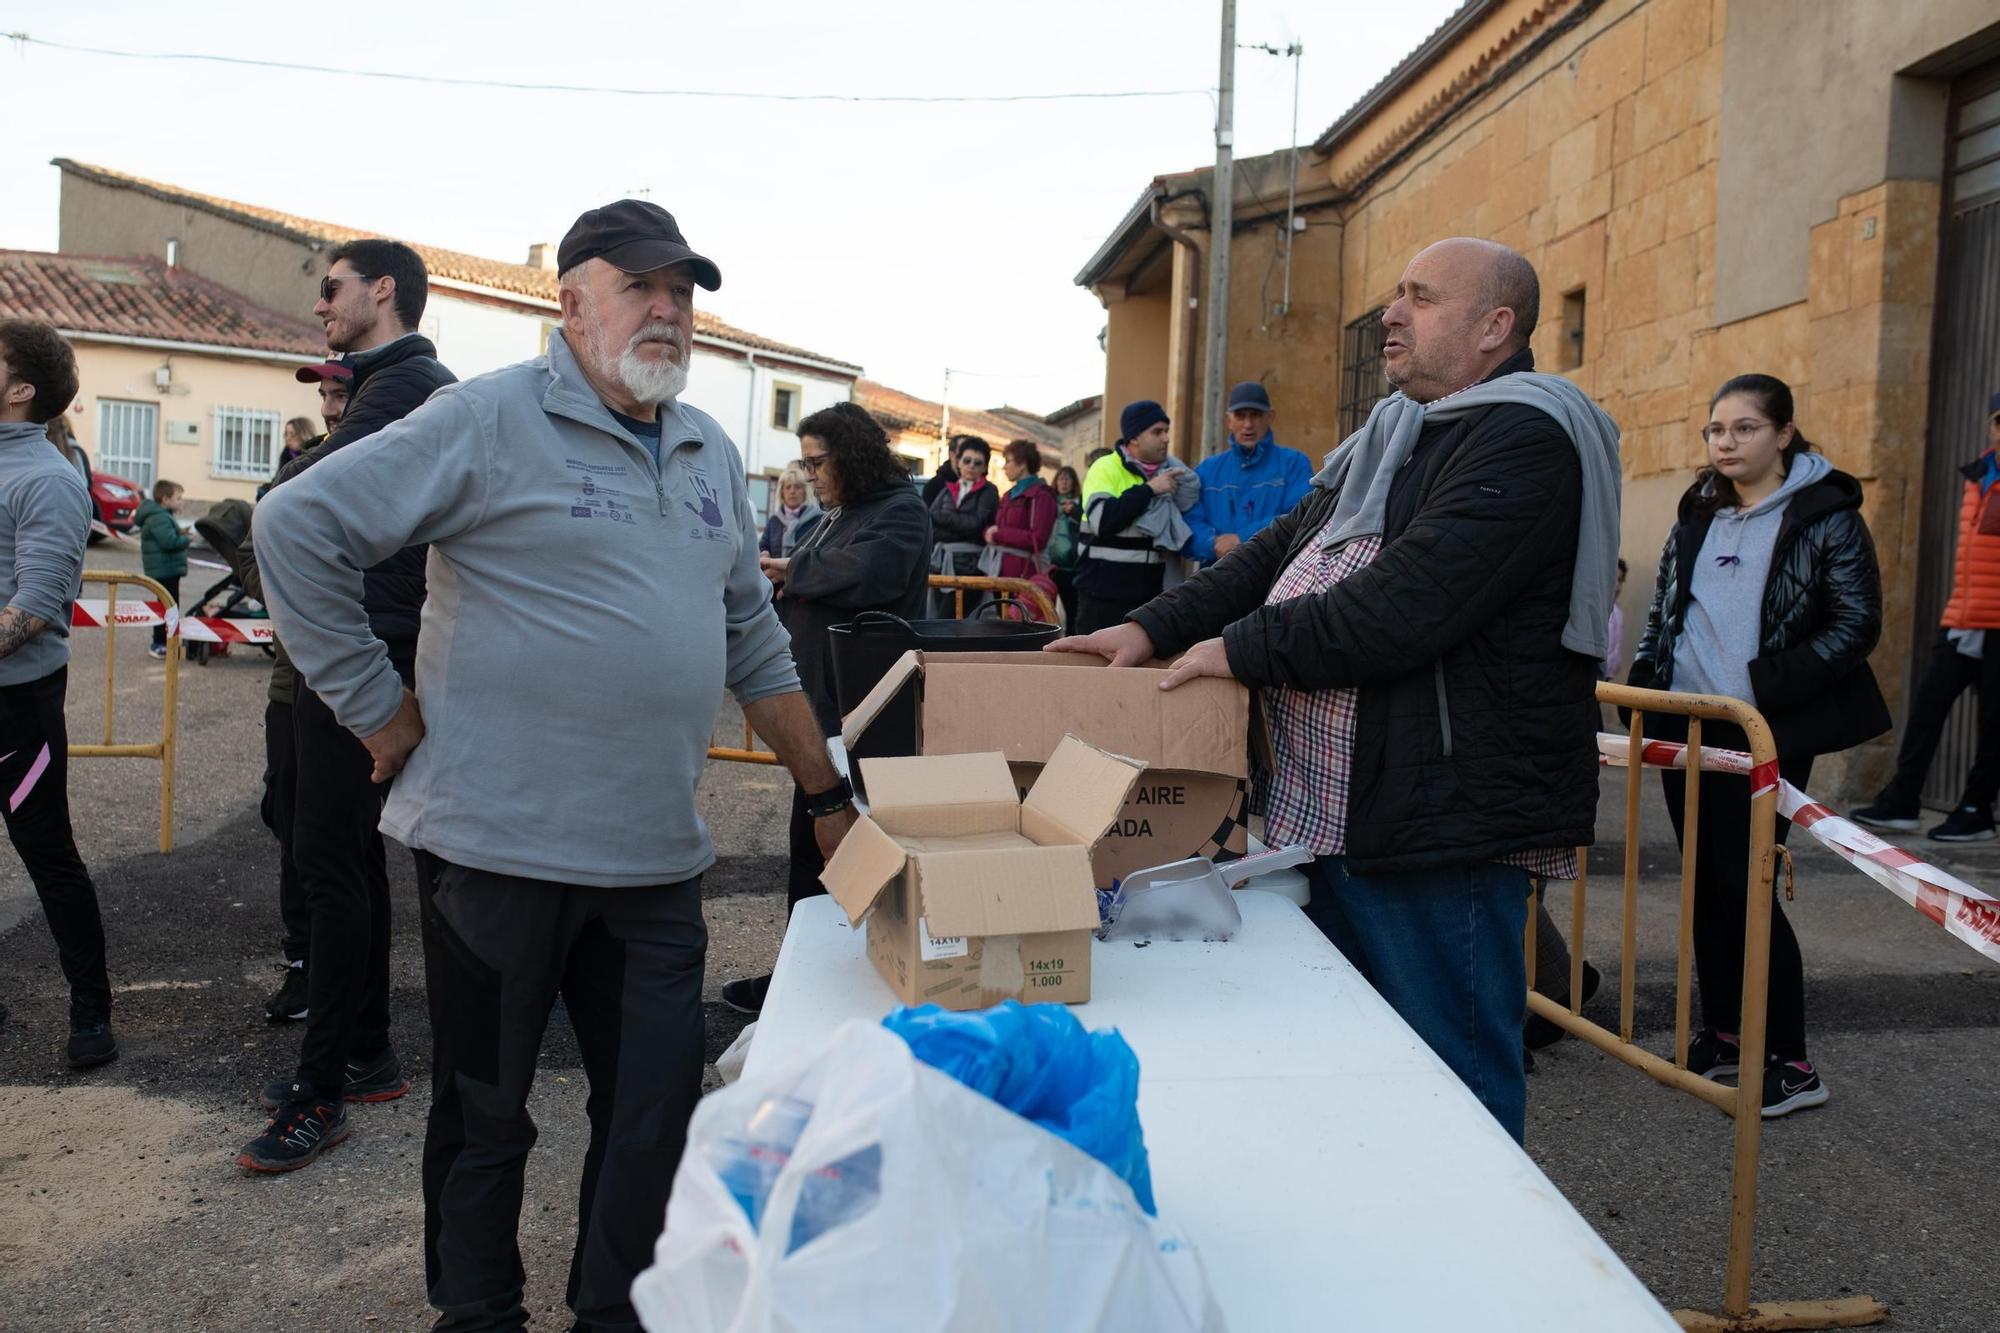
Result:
pixel 1244 493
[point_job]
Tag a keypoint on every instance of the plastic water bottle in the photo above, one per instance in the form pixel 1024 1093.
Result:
pixel 836 1194
pixel 749 1163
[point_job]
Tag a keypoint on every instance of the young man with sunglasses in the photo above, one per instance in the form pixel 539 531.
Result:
pixel 370 301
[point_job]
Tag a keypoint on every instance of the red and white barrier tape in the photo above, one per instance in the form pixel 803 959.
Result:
pixel 92 612
pixel 1970 914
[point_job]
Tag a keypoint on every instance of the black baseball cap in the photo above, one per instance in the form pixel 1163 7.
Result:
pixel 635 236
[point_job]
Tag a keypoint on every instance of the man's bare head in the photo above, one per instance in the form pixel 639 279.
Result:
pixel 1464 305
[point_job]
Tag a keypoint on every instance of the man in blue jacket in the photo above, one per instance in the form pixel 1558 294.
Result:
pixel 1248 485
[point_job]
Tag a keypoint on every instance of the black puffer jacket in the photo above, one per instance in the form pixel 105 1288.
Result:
pixel 1475 731
pixel 1821 617
pixel 390 382
pixel 872 555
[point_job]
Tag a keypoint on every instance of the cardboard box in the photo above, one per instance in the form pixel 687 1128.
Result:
pixel 1194 740
pixel 972 895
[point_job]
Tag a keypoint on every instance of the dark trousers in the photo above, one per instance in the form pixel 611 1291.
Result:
pixel 498 950
pixel 34 779
pixel 1948 674
pixel 1721 894
pixel 281 775
pixel 344 879
pixel 1065 581
pixel 173 587
pixel 802 881
pixel 1095 613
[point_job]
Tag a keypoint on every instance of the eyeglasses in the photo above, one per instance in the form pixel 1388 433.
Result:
pixel 976 464
pixel 1742 432
pixel 329 286
pixel 811 462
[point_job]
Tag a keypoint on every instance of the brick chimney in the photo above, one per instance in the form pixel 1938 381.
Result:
pixel 542 255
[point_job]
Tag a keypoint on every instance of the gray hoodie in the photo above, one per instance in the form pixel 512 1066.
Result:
pixel 586 610
pixel 1723 626
pixel 44 527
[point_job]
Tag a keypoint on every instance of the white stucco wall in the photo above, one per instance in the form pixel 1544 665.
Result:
pixel 472 338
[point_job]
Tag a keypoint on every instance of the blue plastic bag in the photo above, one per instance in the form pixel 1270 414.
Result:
pixel 1039 1062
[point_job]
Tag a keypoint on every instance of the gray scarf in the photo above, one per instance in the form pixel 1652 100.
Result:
pixel 1365 465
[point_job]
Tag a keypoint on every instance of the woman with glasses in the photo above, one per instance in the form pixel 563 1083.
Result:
pixel 866 552
pixel 960 515
pixel 1768 592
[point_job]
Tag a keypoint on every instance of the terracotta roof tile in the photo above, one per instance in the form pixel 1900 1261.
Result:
pixel 454 265
pixel 143 298
pixel 897 410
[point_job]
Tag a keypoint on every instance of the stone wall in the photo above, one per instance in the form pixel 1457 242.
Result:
pixel 1599 162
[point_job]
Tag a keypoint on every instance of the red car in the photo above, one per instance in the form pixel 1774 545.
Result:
pixel 113 500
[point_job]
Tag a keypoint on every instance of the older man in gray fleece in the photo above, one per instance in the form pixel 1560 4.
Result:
pixel 593 588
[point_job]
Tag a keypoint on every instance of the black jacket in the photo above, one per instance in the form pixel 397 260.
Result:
pixel 1821 616
pixel 390 382
pixel 965 520
pixel 872 555
pixel 1475 733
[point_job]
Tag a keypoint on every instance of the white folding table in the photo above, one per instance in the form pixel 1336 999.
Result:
pixel 1333 1173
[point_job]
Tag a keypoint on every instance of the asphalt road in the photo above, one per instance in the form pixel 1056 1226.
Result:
pixel 120 1206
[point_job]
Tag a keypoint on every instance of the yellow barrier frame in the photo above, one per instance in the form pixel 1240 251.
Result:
pixel 163 748
pixel 1745 1102
pixel 960 584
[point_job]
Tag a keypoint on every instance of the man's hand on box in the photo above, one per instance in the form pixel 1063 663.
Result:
pixel 830 829
pixel 1121 645
pixel 1207 658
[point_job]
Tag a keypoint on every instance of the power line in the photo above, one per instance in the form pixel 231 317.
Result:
pixel 713 94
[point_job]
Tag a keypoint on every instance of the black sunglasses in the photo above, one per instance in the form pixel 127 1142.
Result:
pixel 329 286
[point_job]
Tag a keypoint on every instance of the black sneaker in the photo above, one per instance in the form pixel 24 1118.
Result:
pixel 747 995
pixel 1791 1085
pixel 1540 1032
pixel 91 1044
pixel 377 1080
pixel 1887 816
pixel 297 1134
pixel 289 1004
pixel 1712 1055
pixel 1968 823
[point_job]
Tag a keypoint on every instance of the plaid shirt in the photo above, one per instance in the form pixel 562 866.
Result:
pixel 1312 735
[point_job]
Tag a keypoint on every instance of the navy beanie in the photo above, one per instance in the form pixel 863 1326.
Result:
pixel 1139 417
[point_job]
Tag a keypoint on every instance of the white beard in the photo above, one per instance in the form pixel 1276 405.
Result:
pixel 647 379
pixel 655 380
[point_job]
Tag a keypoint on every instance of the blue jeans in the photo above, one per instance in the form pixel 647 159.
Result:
pixel 1443 947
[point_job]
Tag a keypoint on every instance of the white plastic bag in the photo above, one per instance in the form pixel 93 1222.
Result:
pixel 984 1222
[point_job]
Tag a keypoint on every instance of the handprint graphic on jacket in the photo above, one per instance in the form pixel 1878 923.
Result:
pixel 710 509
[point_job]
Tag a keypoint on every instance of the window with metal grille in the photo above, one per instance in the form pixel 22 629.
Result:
pixel 246 442
pixel 126 439
pixel 1364 375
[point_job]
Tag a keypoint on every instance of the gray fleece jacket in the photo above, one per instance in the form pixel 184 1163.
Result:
pixel 586 610
pixel 44 527
pixel 1724 623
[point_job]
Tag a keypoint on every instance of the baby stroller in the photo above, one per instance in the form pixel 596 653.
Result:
pixel 224 527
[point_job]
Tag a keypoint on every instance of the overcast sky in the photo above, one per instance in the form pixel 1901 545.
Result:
pixel 905 238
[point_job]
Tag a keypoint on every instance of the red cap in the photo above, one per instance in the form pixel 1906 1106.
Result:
pixel 325 370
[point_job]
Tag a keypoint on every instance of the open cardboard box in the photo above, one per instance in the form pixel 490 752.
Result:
pixel 971 894
pixel 1193 740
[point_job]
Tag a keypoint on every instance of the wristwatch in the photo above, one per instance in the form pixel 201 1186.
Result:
pixel 831 801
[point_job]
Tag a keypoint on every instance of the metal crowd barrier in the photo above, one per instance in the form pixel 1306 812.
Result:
pixel 162 749
pixel 1743 1103
pixel 960 584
